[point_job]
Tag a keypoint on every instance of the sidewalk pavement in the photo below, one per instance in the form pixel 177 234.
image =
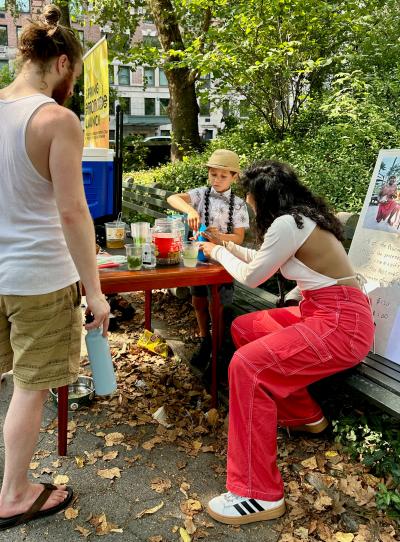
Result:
pixel 160 478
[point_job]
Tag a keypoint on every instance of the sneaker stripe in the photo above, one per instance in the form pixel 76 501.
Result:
pixel 256 505
pixel 248 507
pixel 240 509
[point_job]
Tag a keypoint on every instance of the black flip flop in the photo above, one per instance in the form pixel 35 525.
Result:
pixel 34 511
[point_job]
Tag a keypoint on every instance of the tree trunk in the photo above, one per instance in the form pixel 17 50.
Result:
pixel 183 107
pixel 65 15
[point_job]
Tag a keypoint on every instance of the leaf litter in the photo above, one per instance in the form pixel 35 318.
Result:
pixel 323 486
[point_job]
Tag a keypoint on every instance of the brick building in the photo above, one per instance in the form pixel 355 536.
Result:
pixel 145 106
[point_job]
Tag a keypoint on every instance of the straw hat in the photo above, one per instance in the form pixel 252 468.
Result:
pixel 223 159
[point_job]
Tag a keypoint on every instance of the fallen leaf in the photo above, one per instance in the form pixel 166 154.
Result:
pixel 184 535
pixel 159 485
pixel 114 438
pixel 71 513
pixel 330 454
pixel 212 417
pixel 191 506
pixel 60 479
pixel 184 488
pixel 322 502
pixel 344 537
pixel 310 463
pixel 109 456
pixel 80 462
pixel 84 532
pixel 150 510
pixel 189 525
pixel 156 538
pixel 34 465
pixel 110 474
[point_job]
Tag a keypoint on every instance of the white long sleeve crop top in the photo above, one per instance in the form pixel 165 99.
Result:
pixel 281 242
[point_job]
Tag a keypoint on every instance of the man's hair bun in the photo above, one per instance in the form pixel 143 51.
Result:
pixel 51 15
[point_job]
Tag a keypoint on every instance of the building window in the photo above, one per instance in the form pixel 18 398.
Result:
pixel 164 103
pixel 2 5
pixel 163 78
pixel 3 64
pixel 204 108
pixel 3 35
pixel 125 104
pixel 24 6
pixel 123 75
pixel 110 74
pixel 208 134
pixel 18 30
pixel 151 41
pixel 149 77
pixel 165 132
pixel 149 106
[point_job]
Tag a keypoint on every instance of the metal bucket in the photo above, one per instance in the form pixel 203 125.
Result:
pixel 80 393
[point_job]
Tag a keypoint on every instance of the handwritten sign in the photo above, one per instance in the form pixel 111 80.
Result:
pixel 375 251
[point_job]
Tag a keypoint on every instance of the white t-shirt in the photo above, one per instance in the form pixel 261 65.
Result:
pixel 218 210
pixel 281 242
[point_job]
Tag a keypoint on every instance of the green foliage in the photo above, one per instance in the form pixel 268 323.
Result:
pixel 134 153
pixel 374 438
pixel 6 76
pixel 178 176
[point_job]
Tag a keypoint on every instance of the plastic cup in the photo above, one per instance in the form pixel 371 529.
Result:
pixel 189 254
pixel 140 232
pixel 115 234
pixel 134 257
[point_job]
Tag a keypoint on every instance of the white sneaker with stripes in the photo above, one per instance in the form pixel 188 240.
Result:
pixel 235 510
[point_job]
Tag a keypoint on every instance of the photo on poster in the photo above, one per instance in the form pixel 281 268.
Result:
pixel 383 212
pixel 375 252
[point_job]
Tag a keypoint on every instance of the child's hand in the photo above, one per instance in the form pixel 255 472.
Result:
pixel 207 248
pixel 213 235
pixel 193 219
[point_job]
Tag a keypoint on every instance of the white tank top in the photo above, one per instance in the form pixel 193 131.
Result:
pixel 34 258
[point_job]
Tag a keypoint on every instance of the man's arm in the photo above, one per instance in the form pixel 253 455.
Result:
pixel 65 164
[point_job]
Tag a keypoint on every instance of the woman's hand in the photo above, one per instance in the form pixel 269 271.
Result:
pixel 213 235
pixel 207 248
pixel 193 219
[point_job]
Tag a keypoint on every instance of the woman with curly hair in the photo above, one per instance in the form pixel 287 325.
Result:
pixel 281 351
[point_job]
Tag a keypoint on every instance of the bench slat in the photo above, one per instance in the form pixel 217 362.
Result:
pixel 384 399
pixel 142 209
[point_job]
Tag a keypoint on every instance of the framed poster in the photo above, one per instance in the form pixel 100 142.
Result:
pixel 375 251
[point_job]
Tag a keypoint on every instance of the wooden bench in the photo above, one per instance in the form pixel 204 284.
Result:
pixel 143 199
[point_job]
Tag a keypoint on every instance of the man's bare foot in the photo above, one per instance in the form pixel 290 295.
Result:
pixel 24 501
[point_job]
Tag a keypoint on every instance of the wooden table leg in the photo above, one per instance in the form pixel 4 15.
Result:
pixel 62 394
pixel 147 309
pixel 216 335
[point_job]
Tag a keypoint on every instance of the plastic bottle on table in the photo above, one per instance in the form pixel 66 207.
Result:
pixel 148 253
pixel 200 256
pixel 100 361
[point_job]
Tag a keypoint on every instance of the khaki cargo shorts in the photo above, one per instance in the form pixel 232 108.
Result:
pixel 40 337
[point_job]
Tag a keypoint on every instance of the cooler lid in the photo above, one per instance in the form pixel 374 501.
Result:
pixel 94 154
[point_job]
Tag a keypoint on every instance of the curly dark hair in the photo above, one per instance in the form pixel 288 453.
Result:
pixel 277 191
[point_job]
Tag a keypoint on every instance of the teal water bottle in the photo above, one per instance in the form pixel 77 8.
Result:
pixel 100 362
pixel 200 256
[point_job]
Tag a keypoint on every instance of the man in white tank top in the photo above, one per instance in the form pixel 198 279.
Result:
pixel 47 244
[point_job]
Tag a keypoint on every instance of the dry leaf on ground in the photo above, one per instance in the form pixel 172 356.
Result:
pixel 150 510
pixel 110 474
pixel 71 513
pixel 114 438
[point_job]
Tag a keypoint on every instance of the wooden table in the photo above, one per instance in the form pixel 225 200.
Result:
pixel 118 280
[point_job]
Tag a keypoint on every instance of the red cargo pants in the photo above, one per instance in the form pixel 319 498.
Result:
pixel 279 353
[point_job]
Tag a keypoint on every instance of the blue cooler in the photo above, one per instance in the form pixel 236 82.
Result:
pixel 98 180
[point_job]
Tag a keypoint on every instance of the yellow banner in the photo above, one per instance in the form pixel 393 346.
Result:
pixel 96 91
